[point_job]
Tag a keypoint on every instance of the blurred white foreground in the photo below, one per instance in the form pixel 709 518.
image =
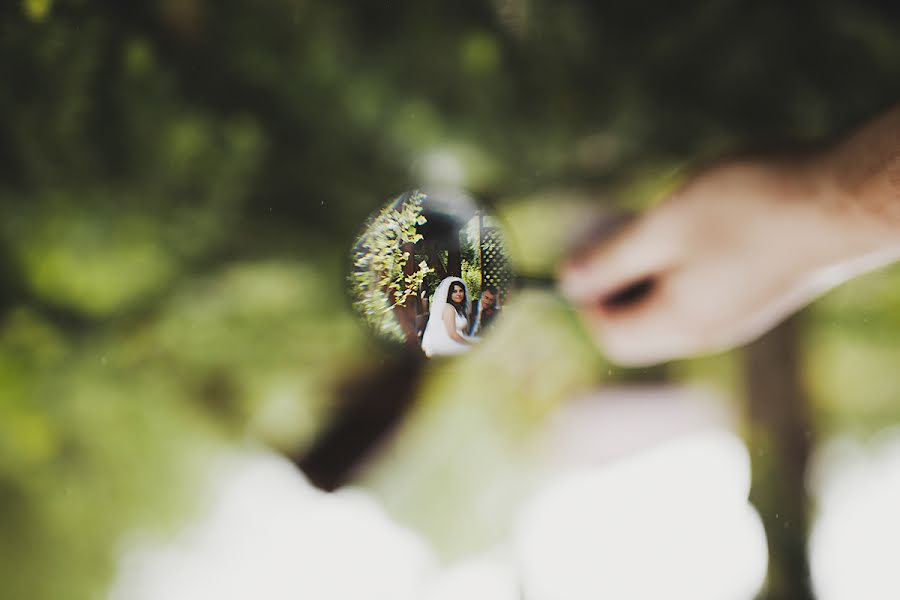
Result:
pixel 855 543
pixel 670 522
pixel 668 518
pixel 266 533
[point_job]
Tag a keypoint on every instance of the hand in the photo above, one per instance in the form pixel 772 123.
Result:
pixel 723 260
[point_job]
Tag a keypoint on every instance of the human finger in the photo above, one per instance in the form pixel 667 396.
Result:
pixel 623 271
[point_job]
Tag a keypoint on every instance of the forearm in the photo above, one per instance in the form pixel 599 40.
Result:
pixel 450 325
pixel 865 171
pixel 459 338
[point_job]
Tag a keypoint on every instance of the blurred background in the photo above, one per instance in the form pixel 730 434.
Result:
pixel 180 185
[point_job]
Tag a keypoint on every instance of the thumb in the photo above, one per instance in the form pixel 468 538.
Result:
pixel 620 270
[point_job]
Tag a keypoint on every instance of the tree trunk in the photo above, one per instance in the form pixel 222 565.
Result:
pixel 406 313
pixel 369 404
pixel 780 446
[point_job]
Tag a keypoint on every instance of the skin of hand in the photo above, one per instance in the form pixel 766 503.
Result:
pixel 725 258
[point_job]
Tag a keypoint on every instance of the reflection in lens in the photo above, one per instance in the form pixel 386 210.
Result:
pixel 430 269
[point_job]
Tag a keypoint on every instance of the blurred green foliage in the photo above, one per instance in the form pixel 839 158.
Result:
pixel 180 182
pixel 378 279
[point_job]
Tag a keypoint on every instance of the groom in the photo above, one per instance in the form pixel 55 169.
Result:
pixel 484 310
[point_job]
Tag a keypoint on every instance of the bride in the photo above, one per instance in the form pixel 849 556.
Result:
pixel 448 319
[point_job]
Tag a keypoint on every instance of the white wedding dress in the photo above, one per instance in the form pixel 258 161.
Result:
pixel 436 340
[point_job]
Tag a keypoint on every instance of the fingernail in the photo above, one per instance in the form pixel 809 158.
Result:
pixel 629 295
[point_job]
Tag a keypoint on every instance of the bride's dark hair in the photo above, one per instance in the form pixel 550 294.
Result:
pixel 462 308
